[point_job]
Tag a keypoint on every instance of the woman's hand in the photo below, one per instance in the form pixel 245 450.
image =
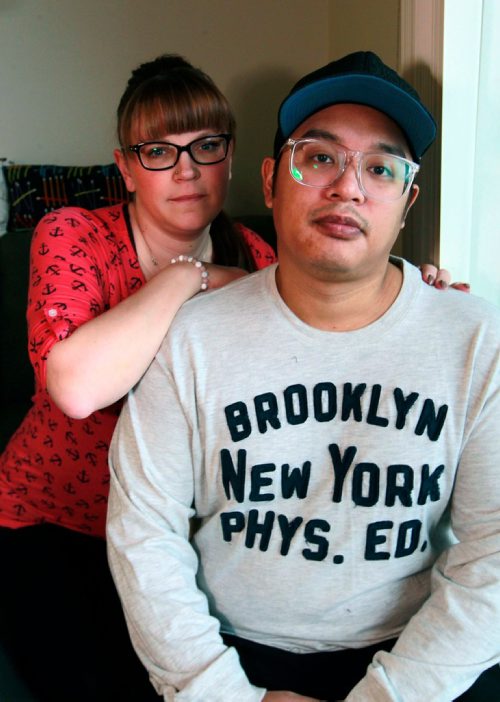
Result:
pixel 222 275
pixel 284 696
pixel 440 278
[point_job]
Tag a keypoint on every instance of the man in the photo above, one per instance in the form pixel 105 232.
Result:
pixel 332 425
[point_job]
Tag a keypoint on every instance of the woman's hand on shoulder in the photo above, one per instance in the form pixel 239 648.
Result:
pixel 440 278
pixel 284 696
pixel 222 275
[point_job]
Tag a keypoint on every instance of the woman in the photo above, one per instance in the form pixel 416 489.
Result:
pixel 90 341
pixel 104 287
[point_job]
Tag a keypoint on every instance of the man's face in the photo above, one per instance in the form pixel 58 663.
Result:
pixel 337 233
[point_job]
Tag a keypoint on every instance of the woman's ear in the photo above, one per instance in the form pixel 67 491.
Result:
pixel 122 162
pixel 267 172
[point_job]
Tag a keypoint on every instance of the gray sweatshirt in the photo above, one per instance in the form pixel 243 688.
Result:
pixel 340 488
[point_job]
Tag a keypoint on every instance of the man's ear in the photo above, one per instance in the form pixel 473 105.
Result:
pixel 411 199
pixel 267 172
pixel 122 163
pixel 409 203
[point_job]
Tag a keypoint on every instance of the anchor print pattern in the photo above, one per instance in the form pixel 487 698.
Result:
pixel 55 468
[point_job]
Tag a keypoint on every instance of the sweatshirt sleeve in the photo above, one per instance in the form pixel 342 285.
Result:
pixel 455 636
pixel 152 561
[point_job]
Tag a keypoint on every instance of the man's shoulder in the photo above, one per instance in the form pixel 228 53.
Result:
pixel 226 309
pixel 466 309
pixel 454 306
pixel 236 297
pixel 208 324
pixel 463 320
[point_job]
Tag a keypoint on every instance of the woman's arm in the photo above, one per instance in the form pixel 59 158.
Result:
pixel 95 350
pixel 105 357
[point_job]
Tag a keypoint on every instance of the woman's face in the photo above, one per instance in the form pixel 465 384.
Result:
pixel 182 200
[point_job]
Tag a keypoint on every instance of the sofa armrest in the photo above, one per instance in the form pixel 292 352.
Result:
pixel 16 373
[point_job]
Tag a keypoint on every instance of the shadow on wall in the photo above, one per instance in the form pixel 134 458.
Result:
pixel 255 98
pixel 420 237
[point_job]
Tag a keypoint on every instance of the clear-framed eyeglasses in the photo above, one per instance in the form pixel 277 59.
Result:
pixel 381 176
pixel 162 155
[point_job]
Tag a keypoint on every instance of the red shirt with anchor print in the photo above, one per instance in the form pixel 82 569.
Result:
pixel 55 468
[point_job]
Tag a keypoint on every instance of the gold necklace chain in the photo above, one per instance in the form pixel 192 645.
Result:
pixel 153 258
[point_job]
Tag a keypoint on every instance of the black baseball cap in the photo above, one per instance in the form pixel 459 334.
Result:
pixel 360 78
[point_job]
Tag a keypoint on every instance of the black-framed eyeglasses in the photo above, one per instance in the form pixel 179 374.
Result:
pixel 381 176
pixel 162 155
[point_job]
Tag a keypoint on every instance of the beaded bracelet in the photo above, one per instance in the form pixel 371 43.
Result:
pixel 198 264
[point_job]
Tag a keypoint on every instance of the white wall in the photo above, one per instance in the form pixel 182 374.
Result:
pixel 470 234
pixel 65 63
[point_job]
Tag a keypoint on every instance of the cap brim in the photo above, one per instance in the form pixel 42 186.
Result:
pixel 411 116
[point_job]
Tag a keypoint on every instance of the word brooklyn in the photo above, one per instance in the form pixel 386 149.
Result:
pixel 325 402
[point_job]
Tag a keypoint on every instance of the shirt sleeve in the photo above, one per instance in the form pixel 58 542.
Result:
pixel 262 252
pixel 154 566
pixel 66 281
pixel 455 636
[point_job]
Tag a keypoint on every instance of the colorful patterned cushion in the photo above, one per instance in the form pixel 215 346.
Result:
pixel 32 191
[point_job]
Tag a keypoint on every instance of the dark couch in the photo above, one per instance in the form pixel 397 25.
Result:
pixel 16 375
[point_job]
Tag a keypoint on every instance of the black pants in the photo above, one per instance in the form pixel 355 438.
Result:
pixel 62 628
pixel 61 624
pixel 326 675
pixel 330 675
